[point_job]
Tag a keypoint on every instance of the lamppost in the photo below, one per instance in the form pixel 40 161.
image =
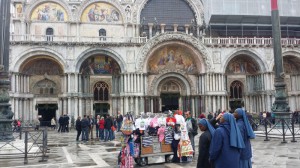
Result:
pixel 5 111
pixel 280 106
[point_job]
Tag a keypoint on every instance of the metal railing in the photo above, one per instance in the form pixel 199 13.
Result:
pixel 26 143
pixel 248 41
pixel 88 39
pixel 285 128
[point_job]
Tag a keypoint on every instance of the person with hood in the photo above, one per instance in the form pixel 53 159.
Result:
pixel 204 143
pixel 226 143
pixel 247 134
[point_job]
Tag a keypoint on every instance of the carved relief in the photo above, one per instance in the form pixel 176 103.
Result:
pixel 153 82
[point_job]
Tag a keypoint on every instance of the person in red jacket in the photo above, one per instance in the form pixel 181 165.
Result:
pixel 101 128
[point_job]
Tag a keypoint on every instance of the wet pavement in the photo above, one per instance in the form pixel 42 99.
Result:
pixel 64 151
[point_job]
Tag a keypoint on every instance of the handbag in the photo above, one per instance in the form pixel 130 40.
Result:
pixel 113 128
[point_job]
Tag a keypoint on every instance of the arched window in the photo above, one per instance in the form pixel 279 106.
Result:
pixel 49 34
pixel 102 34
pixel 45 87
pixel 101 91
pixel 236 90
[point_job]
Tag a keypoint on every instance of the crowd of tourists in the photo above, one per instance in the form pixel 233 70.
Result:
pixel 103 127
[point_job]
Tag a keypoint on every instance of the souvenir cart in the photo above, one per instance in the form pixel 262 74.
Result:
pixel 150 139
pixel 125 158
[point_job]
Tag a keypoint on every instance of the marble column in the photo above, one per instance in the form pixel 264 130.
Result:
pixel 150 29
pixel 16 108
pixel 122 105
pixel 135 83
pixel 187 26
pixel 76 108
pixel 162 28
pixel 125 83
pixel 136 111
pixel 13 82
pixel 91 106
pixel 151 104
pixel 141 104
pixel 175 27
pixel 80 113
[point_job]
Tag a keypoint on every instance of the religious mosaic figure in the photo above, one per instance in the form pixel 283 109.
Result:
pixel 242 65
pixel 100 65
pixel 172 58
pixel 100 12
pixel 49 12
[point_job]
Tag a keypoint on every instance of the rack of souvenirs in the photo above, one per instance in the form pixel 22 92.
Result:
pixel 152 135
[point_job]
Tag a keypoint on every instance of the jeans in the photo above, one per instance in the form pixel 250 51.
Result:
pixel 78 135
pixel 119 126
pixel 112 135
pixel 192 139
pixel 97 131
pixel 107 134
pixel 101 132
pixel 85 134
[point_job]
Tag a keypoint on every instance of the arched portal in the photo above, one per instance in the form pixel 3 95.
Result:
pixel 100 77
pixel 169 91
pixel 244 82
pixel 41 76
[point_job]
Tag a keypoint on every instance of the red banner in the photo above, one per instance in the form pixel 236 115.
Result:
pixel 274 5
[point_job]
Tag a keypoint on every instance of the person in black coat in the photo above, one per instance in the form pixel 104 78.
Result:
pixel 61 123
pixel 85 129
pixel 78 127
pixel 204 143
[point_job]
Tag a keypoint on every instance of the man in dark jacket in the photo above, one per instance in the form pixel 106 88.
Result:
pixel 107 128
pixel 119 120
pixel 85 129
pixel 78 127
pixel 61 123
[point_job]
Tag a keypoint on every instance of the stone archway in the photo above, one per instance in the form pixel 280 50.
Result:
pixel 170 90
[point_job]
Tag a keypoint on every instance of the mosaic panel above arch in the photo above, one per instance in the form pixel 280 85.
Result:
pixel 291 65
pixel 172 57
pixel 242 64
pixel 41 66
pixel 100 64
pixel 49 11
pixel 101 13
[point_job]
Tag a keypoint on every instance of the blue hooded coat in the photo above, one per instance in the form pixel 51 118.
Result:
pixel 226 144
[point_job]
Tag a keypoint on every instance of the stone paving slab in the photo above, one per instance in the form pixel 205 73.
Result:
pixel 66 152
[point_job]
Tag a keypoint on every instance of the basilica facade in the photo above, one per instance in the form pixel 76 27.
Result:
pixel 95 57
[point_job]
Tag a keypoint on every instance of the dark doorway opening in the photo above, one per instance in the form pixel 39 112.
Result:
pixel 169 101
pixel 101 109
pixel 46 112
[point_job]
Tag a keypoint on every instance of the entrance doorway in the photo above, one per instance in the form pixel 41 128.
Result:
pixel 236 95
pixel 101 109
pixel 46 112
pixel 169 101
